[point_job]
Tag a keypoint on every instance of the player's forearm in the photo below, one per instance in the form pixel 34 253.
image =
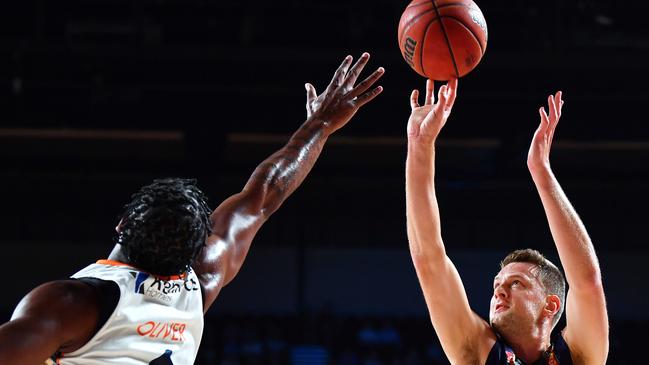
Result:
pixel 237 220
pixel 422 211
pixel 280 174
pixel 575 248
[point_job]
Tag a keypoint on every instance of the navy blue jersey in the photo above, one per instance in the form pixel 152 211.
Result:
pixel 502 354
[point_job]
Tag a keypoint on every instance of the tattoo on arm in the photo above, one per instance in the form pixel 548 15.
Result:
pixel 281 173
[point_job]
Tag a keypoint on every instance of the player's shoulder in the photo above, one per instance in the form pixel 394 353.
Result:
pixel 60 297
pixel 70 308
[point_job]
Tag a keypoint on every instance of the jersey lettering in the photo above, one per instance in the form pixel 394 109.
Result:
pixel 171 331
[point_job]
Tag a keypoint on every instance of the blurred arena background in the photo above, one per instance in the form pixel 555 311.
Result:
pixel 99 97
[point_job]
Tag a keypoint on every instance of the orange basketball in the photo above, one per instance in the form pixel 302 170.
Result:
pixel 442 39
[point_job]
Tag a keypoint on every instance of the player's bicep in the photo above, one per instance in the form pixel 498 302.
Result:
pixel 236 215
pixel 53 316
pixel 27 340
pixel 463 334
pixel 586 331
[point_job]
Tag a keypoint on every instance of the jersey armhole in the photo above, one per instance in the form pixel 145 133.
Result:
pixel 562 350
pixel 495 354
pixel 109 295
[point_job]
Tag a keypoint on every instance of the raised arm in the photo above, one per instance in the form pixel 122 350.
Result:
pixel 586 331
pixel 236 221
pixel 465 337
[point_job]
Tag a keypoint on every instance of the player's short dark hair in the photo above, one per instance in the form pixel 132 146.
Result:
pixel 164 227
pixel 550 275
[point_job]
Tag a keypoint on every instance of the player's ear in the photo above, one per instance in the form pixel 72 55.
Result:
pixel 552 305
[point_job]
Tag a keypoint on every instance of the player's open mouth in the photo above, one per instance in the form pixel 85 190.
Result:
pixel 500 307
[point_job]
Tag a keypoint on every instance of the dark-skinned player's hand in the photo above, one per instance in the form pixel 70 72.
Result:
pixel 342 98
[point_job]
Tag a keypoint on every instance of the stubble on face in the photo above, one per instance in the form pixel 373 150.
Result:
pixel 518 311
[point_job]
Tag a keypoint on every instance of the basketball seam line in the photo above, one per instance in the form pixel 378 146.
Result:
pixel 414 20
pixel 416 5
pixel 411 22
pixel 469 29
pixel 448 42
pixel 421 53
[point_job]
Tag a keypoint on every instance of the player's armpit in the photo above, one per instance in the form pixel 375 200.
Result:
pixel 60 315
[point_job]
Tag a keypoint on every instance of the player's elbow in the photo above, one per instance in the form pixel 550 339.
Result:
pixel 427 260
pixel 262 201
pixel 425 248
pixel 590 280
pixel 592 292
pixel 271 197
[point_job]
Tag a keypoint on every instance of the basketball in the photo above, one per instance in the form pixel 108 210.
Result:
pixel 442 39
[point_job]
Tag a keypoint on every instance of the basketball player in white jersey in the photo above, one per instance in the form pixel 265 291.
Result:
pixel 145 303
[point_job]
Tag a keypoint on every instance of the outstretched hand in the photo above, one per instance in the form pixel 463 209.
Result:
pixel 538 157
pixel 342 99
pixel 426 121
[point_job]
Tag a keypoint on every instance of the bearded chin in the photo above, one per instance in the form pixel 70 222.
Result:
pixel 503 325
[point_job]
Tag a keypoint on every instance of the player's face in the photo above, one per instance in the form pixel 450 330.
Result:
pixel 518 297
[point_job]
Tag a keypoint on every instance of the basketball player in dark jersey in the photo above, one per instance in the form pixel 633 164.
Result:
pixel 167 237
pixel 529 291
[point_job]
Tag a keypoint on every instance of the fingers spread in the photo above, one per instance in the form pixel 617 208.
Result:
pixel 414 99
pixel 544 117
pixel 556 102
pixel 355 71
pixel 367 83
pixel 339 75
pixel 430 92
pixel 368 96
pixel 552 109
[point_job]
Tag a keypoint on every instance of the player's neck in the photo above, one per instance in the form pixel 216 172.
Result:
pixel 529 347
pixel 117 255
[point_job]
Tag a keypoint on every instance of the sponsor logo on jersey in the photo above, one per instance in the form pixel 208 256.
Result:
pixel 168 331
pixel 171 287
pixel 139 282
pixel 161 290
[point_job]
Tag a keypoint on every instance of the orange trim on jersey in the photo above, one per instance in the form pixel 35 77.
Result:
pixel 119 263
pixel 112 263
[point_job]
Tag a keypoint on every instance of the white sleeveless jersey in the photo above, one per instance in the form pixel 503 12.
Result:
pixel 158 322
